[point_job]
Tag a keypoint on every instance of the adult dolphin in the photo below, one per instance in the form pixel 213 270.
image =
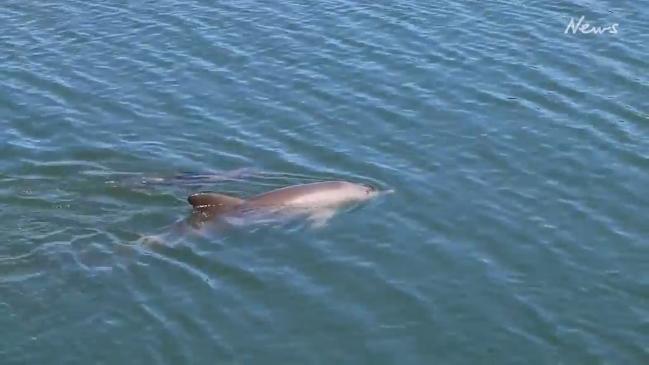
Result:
pixel 317 202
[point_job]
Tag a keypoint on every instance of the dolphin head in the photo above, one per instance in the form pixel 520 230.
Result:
pixel 369 189
pixel 372 191
pixel 360 192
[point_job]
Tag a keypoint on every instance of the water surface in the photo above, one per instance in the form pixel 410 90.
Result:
pixel 519 155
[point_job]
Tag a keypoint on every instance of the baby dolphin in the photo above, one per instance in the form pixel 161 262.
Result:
pixel 317 201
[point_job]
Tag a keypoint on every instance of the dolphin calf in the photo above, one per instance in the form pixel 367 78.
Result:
pixel 317 202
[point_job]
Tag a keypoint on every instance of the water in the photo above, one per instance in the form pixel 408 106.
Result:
pixel 519 155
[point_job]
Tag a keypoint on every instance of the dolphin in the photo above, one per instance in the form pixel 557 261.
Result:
pixel 318 202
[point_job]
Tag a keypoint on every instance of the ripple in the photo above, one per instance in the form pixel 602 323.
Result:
pixel 518 154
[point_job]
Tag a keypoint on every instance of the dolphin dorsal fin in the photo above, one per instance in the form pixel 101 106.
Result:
pixel 206 200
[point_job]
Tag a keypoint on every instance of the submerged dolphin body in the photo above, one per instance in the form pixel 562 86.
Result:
pixel 316 201
pixel 187 178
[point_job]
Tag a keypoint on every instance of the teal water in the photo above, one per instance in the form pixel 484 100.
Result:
pixel 519 154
